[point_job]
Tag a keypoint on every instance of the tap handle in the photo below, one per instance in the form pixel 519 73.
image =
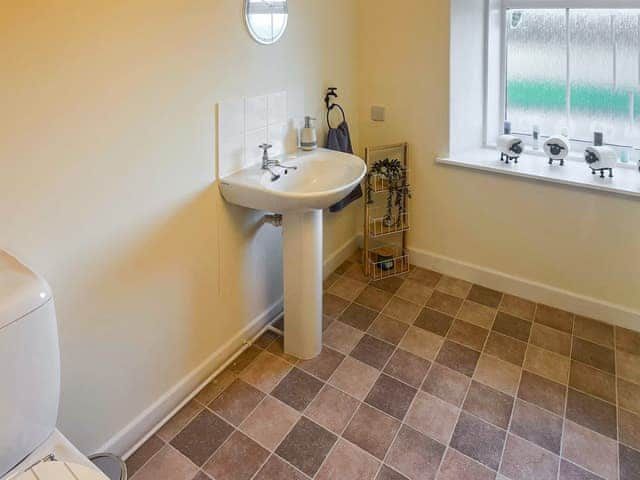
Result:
pixel 265 147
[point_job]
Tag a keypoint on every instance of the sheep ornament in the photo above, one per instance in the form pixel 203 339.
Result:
pixel 601 159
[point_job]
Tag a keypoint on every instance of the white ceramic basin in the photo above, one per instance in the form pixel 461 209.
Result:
pixel 323 178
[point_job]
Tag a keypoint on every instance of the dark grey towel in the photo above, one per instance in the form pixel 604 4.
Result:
pixel 339 139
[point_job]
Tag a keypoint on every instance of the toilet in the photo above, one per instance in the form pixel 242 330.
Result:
pixel 31 447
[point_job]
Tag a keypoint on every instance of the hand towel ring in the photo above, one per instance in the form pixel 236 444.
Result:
pixel 335 105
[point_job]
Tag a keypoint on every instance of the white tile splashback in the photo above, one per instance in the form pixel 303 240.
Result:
pixel 245 123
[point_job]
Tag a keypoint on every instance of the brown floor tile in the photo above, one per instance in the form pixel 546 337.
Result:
pixel 356 272
pixel 498 374
pixel 542 392
pixel 434 321
pixel 332 306
pixel 342 337
pixel 476 314
pixel 372 351
pixel 456 466
pixel 407 367
pixel 238 365
pixel 238 459
pixel 324 364
pixel 348 462
pixel 454 286
pixel 446 384
pixel 167 465
pixel 179 421
pixel 426 277
pixel 391 396
pixel 445 303
pixel 629 428
pixel 485 296
pixel 554 318
pixel 330 280
pixel 388 329
pixel 344 266
pixel 628 340
pixel 506 348
pixel 629 463
pixel 265 339
pixel 236 402
pixel 297 389
pixel 512 326
pixel 569 471
pixel 518 306
pixel 433 417
pixel 628 366
pixel 595 355
pixel 277 348
pixel 391 284
pixel 415 292
pixel 594 331
pixel 551 339
pixel 144 452
pixel 401 310
pixel 592 413
pixel 547 364
pixel 523 460
pixel 332 409
pixel 358 317
pixel 387 473
pixel 421 343
pixel 306 446
pixel 356 257
pixel 593 381
pixel 629 396
pixel 201 476
pixel 347 288
pixel 266 371
pixel 372 431
pixel 538 426
pixel 374 298
pixel 489 404
pixel 277 469
pixel 227 377
pixel 354 377
pixel 478 440
pixel 468 335
pixel 326 321
pixel 590 450
pixel 203 436
pixel 459 358
pixel 415 455
pixel 270 422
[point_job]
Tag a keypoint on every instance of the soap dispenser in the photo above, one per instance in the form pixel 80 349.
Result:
pixel 308 136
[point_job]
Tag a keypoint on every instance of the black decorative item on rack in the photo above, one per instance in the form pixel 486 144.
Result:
pixel 394 173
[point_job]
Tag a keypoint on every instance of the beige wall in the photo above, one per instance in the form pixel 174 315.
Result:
pixel 581 241
pixel 106 167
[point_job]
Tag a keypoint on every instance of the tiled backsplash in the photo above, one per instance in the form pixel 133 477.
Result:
pixel 244 124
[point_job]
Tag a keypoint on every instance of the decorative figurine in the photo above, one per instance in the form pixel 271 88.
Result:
pixel 600 158
pixel 510 146
pixel 557 148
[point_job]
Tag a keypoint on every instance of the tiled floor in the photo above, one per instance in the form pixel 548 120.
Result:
pixel 424 377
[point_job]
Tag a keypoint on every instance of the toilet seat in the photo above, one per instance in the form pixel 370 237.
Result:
pixel 60 471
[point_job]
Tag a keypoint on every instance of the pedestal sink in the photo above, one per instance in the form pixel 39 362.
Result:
pixel 322 178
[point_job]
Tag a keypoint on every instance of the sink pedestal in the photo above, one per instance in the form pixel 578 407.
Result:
pixel 302 269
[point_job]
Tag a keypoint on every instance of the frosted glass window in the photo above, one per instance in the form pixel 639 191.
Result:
pixel 574 68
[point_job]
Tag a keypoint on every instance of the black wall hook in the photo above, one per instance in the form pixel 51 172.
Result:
pixel 331 92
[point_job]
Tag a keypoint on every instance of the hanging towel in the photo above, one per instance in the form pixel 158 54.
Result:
pixel 339 139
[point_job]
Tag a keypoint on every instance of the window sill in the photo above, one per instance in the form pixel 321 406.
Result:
pixel 626 181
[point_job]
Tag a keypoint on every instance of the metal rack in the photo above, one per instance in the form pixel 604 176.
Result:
pixel 385 244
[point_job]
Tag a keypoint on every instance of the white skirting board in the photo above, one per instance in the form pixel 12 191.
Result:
pixel 531 290
pixel 127 440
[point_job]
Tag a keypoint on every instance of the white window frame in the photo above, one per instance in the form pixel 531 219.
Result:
pixel 496 64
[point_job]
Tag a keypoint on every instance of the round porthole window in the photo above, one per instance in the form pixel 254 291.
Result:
pixel 266 19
